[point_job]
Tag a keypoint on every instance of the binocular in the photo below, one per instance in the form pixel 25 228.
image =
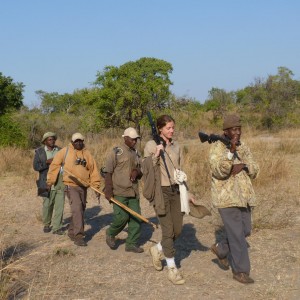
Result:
pixel 80 161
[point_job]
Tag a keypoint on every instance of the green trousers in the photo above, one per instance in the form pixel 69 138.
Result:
pixel 53 209
pixel 122 217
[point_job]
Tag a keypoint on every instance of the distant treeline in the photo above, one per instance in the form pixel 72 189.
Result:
pixel 121 97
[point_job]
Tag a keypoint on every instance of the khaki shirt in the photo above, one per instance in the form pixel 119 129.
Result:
pixel 227 190
pixel 172 157
pixel 120 163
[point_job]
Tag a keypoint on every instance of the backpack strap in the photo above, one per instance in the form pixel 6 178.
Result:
pixel 63 163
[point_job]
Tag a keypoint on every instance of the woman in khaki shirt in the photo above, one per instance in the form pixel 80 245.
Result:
pixel 168 209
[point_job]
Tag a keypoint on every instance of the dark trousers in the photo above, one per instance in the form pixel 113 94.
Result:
pixel 171 222
pixel 77 200
pixel 237 224
pixel 122 217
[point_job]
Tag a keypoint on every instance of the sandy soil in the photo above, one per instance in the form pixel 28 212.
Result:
pixel 46 266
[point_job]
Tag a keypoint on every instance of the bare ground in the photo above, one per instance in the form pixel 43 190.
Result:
pixel 46 266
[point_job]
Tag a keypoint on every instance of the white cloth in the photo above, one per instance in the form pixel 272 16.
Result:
pixel 181 178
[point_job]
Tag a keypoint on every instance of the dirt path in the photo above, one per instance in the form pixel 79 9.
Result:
pixel 52 267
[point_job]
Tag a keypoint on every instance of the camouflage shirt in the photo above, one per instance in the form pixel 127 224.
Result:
pixel 227 190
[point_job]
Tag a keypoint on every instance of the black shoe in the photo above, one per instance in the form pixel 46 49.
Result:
pixel 59 232
pixel 134 249
pixel 80 242
pixel 111 242
pixel 47 229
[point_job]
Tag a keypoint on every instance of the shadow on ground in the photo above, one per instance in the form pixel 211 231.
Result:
pixel 187 242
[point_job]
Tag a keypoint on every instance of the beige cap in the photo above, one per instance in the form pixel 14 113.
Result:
pixel 131 132
pixel 77 136
pixel 48 134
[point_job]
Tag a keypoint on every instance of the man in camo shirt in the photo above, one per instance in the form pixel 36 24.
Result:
pixel 232 169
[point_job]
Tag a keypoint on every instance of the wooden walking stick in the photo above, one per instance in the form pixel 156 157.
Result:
pixel 132 212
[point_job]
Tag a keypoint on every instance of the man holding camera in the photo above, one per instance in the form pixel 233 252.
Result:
pixel 78 161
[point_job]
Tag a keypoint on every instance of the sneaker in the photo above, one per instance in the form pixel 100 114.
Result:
pixel 223 261
pixel 243 278
pixel 59 232
pixel 134 249
pixel 111 242
pixel 47 229
pixel 157 257
pixel 80 242
pixel 174 276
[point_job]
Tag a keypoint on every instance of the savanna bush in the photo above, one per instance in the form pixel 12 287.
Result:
pixel 11 133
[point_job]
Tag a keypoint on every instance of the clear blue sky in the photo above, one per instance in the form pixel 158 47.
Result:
pixel 59 45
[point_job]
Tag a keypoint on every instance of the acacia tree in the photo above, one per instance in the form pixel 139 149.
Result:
pixel 219 102
pixel 11 94
pixel 57 103
pixel 276 98
pixel 128 91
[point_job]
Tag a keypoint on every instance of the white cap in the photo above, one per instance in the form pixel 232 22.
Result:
pixel 131 132
pixel 77 136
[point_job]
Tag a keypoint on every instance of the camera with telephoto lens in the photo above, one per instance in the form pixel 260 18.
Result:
pixel 80 161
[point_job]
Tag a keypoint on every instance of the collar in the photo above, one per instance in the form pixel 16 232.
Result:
pixel 128 148
pixel 47 149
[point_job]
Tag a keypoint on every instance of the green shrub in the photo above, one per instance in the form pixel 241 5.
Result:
pixel 11 133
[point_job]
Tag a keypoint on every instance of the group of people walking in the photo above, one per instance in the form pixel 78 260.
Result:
pixel 72 169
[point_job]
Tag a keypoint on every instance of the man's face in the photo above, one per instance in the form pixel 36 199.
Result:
pixel 233 133
pixel 50 141
pixel 130 142
pixel 78 144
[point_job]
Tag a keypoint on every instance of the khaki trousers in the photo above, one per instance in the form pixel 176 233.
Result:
pixel 171 222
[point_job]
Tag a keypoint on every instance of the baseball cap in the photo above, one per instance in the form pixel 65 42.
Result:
pixel 77 136
pixel 131 132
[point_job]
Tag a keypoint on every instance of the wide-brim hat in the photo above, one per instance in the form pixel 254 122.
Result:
pixel 48 134
pixel 199 211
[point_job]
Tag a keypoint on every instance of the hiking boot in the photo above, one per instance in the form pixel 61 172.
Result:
pixel 223 261
pixel 157 256
pixel 71 236
pixel 47 229
pixel 243 278
pixel 174 276
pixel 111 242
pixel 59 232
pixel 80 242
pixel 134 249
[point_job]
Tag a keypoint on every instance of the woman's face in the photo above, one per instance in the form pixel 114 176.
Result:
pixel 168 130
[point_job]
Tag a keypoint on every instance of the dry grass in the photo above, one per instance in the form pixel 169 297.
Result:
pixel 274 154
pixel 277 190
pixel 10 272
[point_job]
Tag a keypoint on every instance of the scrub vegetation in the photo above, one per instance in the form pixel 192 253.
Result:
pixel 35 265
